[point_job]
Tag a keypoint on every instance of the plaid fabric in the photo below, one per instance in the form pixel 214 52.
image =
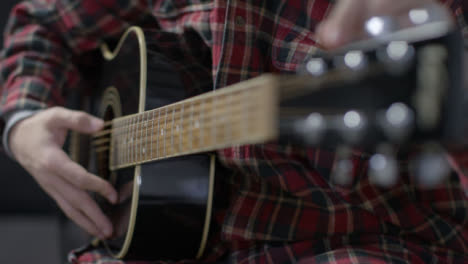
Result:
pixel 283 208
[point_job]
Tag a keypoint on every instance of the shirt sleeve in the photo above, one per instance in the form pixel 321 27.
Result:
pixel 42 39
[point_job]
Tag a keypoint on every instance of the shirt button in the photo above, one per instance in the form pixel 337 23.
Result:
pixel 240 21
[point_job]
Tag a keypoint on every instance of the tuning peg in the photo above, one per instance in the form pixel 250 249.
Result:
pixel 343 168
pixel 397 122
pixel 383 167
pixel 429 13
pixel 397 56
pixel 380 25
pixel 316 66
pixel 419 16
pixel 353 59
pixel 312 128
pixel 431 167
pixel 353 125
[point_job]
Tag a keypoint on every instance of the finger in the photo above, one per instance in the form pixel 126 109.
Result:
pixel 75 174
pixel 80 205
pixel 342 25
pixel 71 212
pixel 78 217
pixel 74 120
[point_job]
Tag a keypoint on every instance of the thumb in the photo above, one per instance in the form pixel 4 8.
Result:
pixel 75 120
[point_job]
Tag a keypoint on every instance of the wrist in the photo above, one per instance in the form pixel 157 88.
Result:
pixel 12 122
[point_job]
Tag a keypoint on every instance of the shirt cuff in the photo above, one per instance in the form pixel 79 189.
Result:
pixel 11 120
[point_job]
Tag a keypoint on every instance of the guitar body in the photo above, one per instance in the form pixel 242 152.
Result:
pixel 350 98
pixel 165 206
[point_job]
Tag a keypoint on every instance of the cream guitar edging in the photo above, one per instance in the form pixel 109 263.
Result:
pixel 110 55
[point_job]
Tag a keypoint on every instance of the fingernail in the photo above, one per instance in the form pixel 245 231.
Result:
pixel 112 198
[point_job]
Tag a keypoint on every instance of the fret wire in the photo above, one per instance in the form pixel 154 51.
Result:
pixel 159 119
pixel 132 149
pixel 130 142
pixel 111 148
pixel 139 133
pixel 245 124
pixel 228 123
pixel 152 132
pixel 135 131
pixel 121 147
pixel 116 143
pixel 146 136
pixel 191 126
pixel 213 128
pixel 181 129
pixel 172 130
pixel 138 137
pixel 141 141
pixel 137 141
pixel 126 141
pixel 202 130
pixel 165 127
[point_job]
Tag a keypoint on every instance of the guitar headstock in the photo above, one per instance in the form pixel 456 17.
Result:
pixel 400 87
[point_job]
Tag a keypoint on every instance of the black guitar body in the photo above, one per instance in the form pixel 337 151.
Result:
pixel 402 88
pixel 164 207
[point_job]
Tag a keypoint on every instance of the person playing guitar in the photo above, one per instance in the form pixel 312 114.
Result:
pixel 282 206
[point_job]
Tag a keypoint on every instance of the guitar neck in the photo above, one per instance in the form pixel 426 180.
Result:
pixel 244 113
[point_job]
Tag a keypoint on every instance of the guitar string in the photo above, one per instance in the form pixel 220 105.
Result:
pixel 208 122
pixel 174 150
pixel 143 125
pixel 112 123
pixel 177 115
pixel 288 86
pixel 235 117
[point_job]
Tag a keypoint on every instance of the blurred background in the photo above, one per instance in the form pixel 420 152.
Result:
pixel 32 229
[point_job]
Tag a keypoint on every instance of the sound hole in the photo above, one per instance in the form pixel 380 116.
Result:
pixel 103 147
pixel 121 180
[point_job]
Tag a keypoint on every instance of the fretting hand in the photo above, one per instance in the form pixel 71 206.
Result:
pixel 37 142
pixel 346 21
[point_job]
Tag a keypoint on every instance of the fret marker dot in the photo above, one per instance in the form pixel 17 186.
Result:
pixel 143 150
pixel 162 132
pixel 197 124
pixel 177 128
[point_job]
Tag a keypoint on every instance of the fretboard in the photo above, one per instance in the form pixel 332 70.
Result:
pixel 245 113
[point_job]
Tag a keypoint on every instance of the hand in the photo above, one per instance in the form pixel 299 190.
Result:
pixel 347 18
pixel 37 142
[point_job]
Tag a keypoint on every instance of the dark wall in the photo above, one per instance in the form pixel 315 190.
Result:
pixel 19 193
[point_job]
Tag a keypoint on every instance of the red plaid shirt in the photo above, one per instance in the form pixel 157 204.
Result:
pixel 283 206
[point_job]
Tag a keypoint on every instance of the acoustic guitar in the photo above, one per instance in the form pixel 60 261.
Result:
pixel 156 150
